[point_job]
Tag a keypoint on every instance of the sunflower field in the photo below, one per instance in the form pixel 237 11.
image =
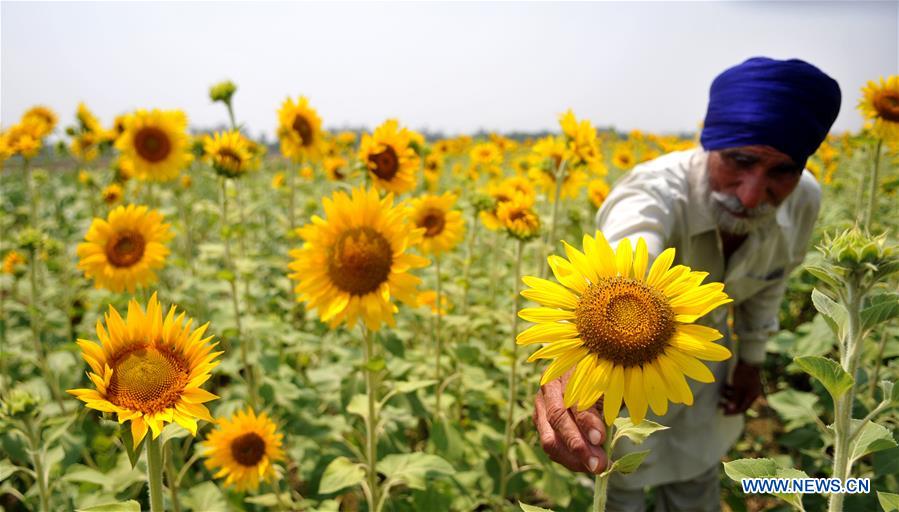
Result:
pixel 346 320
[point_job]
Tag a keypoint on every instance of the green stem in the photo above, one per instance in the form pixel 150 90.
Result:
pixel 438 338
pixel 601 482
pixel 878 362
pixel 231 115
pixel 513 376
pixel 32 195
pixel 38 462
pixel 466 269
pixel 550 241
pixel 154 474
pixel 249 370
pixel 872 194
pixel 171 478
pixel 371 423
pixel 291 199
pixel 843 406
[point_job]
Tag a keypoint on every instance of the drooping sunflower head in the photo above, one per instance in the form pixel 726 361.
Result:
pixel 148 368
pixel 518 217
pixel 242 448
pixel 880 106
pixel 124 250
pixel 627 333
pixel 355 259
pixel 300 129
pixel 443 226
pixel 156 144
pixel 229 153
pixel 388 154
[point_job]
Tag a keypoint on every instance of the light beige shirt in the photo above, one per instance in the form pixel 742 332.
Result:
pixel 661 202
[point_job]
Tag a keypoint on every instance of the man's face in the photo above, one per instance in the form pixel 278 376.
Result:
pixel 747 184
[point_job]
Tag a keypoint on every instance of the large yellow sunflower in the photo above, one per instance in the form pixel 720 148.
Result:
pixel 243 448
pixel 123 251
pixel 149 369
pixel 443 226
pixel 880 105
pixel 229 153
pixel 390 158
pixel 354 260
pixel 628 334
pixel 156 143
pixel 300 129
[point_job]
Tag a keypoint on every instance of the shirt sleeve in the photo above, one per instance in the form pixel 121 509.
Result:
pixel 755 320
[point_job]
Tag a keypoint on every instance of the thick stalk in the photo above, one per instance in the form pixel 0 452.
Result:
pixel 551 239
pixel 154 474
pixel 371 423
pixel 249 371
pixel 513 375
pixel 438 338
pixel 171 479
pixel 843 406
pixel 601 482
pixel 872 194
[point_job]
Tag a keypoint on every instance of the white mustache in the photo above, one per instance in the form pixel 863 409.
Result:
pixel 733 204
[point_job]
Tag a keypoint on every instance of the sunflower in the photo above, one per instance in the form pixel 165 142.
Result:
pixel 354 261
pixel 123 251
pixel 278 180
pixel 149 369
pixel 518 217
pixel 300 129
pixel 336 168
pixel 628 334
pixel 486 156
pixel 597 191
pixel 12 262
pixel 112 194
pixel 505 190
pixel 87 121
pixel 243 448
pixel 156 143
pixel 45 117
pixel 443 226
pixel 880 104
pixel 582 142
pixel 229 153
pixel 623 157
pixel 389 157
pixel 433 168
pixel 572 182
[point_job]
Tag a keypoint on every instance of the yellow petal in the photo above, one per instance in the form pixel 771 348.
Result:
pixel 561 365
pixel 708 351
pixel 566 274
pixel 547 332
pixel 660 266
pixel 612 402
pixel 548 293
pixel 641 259
pixel 556 349
pixel 655 388
pixel 580 262
pixel 624 257
pixel 691 366
pixel 635 394
pixel 540 315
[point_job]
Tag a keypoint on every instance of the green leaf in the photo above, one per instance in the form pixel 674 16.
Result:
pixel 888 501
pixel 824 275
pixel 795 407
pixel 375 365
pixel 412 385
pixel 205 496
pixel 873 438
pixel 750 468
pixel 531 508
pixel 7 469
pixel 834 378
pixel 414 468
pixel 225 275
pixel 881 308
pixel 624 427
pixel 358 405
pixel 121 506
pixel 340 474
pixel 132 451
pixel 834 313
pixel 628 463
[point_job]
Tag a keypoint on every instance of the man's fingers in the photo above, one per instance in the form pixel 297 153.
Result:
pixel 560 435
pixel 591 426
pixel 550 443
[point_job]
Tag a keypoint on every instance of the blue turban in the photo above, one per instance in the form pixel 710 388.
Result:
pixel 789 105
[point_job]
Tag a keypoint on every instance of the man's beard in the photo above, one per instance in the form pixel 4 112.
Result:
pixel 724 206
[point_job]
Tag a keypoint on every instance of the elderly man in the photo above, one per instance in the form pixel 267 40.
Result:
pixel 741 208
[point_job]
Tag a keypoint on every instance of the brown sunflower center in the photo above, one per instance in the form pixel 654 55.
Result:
pixel 624 321
pixel 302 126
pixel 433 220
pixel 152 144
pixel 248 449
pixel 386 163
pixel 147 379
pixel 230 158
pixel 887 106
pixel 360 260
pixel 125 248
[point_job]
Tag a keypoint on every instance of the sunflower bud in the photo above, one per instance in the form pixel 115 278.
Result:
pixel 856 252
pixel 30 239
pixel 20 404
pixel 223 91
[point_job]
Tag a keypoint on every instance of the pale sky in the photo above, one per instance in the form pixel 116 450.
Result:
pixel 453 67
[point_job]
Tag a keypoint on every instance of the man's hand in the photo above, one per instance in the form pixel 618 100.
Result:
pixel 573 439
pixel 736 398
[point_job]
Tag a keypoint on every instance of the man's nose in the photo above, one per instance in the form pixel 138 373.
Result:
pixel 751 191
